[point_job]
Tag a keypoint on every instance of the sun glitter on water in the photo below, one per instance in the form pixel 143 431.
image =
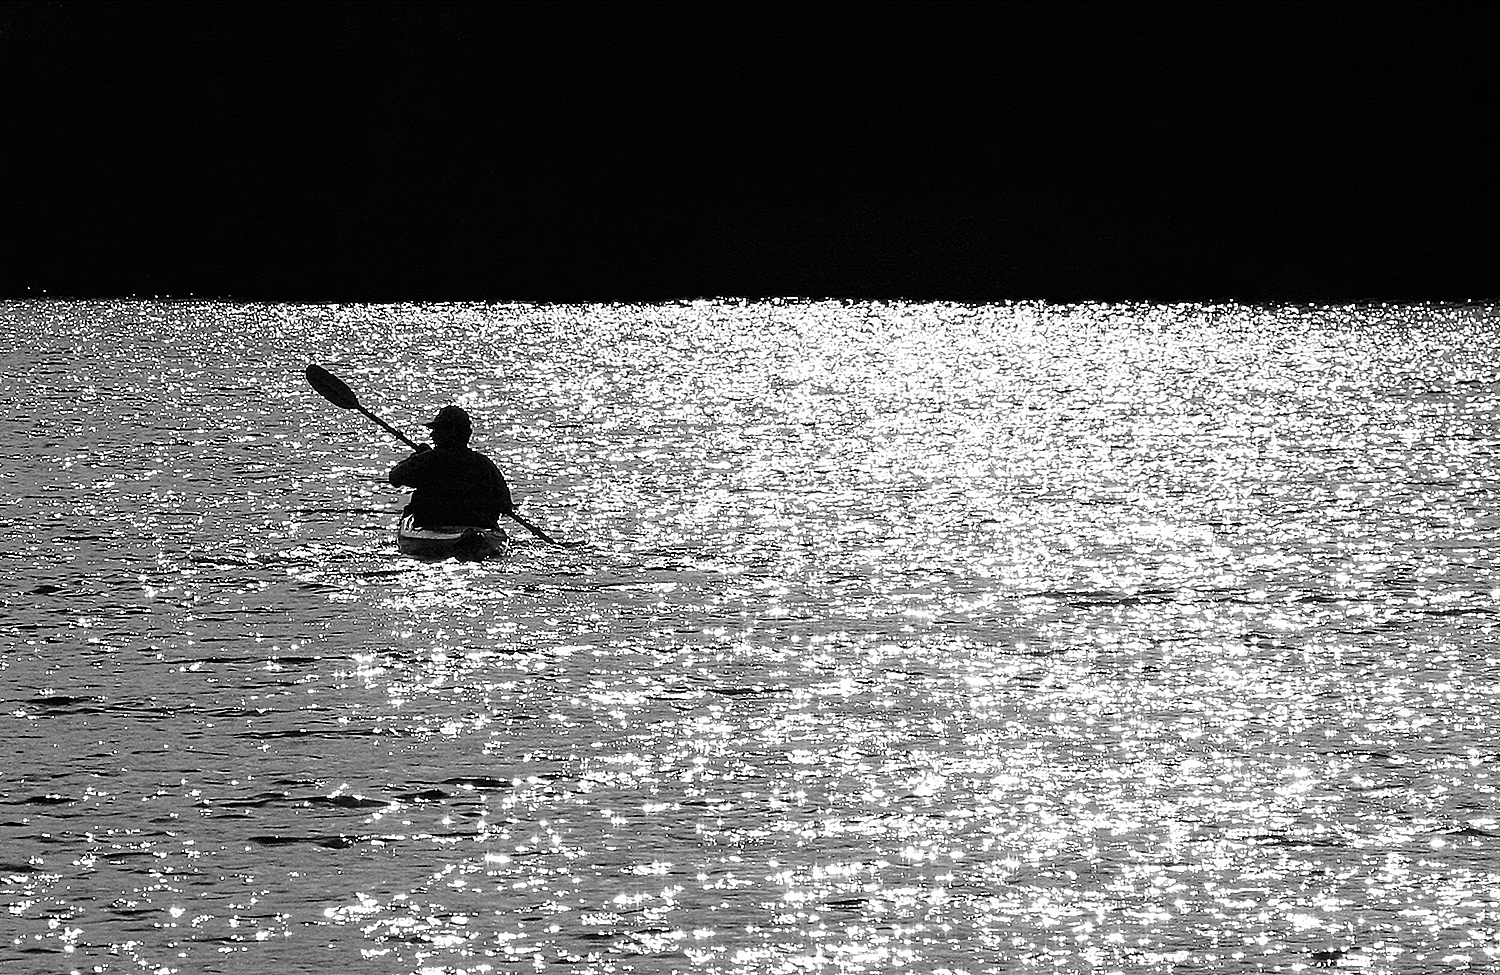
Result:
pixel 964 638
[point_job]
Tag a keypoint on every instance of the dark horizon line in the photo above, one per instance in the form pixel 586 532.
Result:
pixel 1259 300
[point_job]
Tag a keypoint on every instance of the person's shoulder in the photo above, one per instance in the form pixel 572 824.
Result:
pixel 488 462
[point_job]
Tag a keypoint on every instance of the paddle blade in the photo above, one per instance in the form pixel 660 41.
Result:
pixel 332 388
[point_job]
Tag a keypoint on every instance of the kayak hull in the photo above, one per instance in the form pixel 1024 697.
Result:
pixel 465 544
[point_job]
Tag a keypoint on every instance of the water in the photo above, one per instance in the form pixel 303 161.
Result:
pixel 928 637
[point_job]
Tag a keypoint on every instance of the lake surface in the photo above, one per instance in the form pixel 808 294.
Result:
pixel 924 637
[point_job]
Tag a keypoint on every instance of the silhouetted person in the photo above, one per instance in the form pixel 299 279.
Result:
pixel 454 485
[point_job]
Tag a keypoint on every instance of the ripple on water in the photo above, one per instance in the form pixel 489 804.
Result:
pixel 1129 638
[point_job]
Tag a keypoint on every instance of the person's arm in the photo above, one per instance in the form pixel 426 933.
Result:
pixel 502 490
pixel 403 473
pixel 506 505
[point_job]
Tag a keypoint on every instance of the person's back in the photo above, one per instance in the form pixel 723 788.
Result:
pixel 454 485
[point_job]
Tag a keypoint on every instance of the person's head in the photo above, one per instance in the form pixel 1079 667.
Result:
pixel 451 427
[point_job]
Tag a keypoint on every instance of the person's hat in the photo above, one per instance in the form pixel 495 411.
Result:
pixel 450 416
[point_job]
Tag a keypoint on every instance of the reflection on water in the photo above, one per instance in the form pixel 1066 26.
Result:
pixel 950 638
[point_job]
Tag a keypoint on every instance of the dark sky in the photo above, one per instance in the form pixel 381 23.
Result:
pixel 582 151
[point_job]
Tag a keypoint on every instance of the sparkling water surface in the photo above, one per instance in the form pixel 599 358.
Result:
pixel 926 637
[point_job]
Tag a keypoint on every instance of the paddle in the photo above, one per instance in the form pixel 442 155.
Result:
pixel 337 392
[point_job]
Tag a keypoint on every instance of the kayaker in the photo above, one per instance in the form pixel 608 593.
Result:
pixel 454 485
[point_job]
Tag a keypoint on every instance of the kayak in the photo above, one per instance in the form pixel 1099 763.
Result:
pixel 456 542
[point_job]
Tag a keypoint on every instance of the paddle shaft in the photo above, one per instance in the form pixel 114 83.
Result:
pixel 534 529
pixel 388 428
